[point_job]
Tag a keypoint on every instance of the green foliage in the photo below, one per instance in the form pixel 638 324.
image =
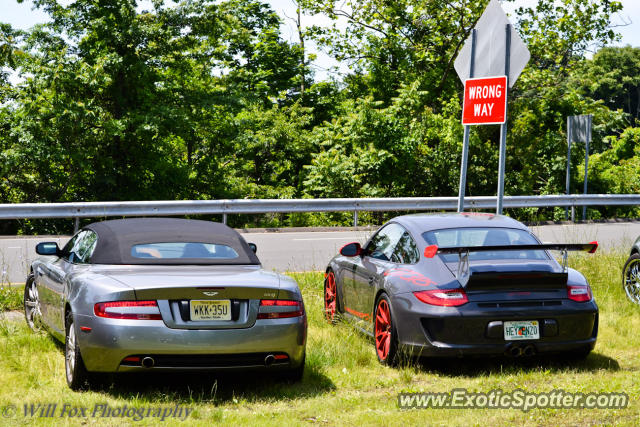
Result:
pixel 612 76
pixel 205 99
pixel 162 104
pixel 404 149
pixel 616 170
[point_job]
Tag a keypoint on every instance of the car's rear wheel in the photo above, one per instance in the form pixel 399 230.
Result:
pixel 631 278
pixel 76 373
pixel 330 298
pixel 32 304
pixel 386 337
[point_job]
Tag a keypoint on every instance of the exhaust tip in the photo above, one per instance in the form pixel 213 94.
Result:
pixel 529 350
pixel 515 351
pixel 268 361
pixel 148 362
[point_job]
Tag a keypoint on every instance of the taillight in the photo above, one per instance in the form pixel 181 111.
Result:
pixel 280 308
pixel 139 310
pixel 443 297
pixel 579 293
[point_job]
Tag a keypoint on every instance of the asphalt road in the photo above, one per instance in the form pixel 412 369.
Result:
pixel 311 250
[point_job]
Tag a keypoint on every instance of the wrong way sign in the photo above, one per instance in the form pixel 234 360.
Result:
pixel 485 101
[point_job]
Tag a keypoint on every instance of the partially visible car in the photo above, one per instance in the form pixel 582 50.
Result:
pixel 631 274
pixel 164 294
pixel 461 284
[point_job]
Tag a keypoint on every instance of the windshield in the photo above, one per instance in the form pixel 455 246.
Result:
pixel 489 236
pixel 183 250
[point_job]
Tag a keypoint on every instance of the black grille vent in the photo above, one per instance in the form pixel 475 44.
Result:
pixel 519 304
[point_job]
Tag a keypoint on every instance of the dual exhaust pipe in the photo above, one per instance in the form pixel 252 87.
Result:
pixel 521 351
pixel 148 362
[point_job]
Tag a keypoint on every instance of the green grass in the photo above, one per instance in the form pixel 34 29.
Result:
pixel 11 298
pixel 344 384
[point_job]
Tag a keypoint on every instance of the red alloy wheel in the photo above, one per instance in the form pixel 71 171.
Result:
pixel 330 297
pixel 383 330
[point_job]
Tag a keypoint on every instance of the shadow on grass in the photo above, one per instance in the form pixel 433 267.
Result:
pixel 216 388
pixel 474 367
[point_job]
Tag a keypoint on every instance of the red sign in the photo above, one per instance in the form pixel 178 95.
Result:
pixel 485 101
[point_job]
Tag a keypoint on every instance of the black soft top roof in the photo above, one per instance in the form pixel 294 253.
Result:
pixel 116 237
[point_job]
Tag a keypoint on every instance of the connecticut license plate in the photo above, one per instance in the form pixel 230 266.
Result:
pixel 522 330
pixel 211 309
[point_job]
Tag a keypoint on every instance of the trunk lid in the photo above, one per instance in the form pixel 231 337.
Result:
pixel 201 282
pixel 238 288
pixel 516 281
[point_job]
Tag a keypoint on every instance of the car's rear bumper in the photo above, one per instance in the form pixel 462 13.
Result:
pixel 538 348
pixel 449 331
pixel 110 341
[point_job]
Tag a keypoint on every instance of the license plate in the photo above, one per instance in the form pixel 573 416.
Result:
pixel 211 309
pixel 522 330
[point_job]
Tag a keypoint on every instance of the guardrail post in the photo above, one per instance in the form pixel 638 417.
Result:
pixel 76 224
pixel 224 218
pixel 355 218
pixel 573 214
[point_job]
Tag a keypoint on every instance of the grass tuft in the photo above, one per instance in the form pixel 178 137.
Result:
pixel 11 298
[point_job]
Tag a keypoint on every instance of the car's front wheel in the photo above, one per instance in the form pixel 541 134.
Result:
pixel 32 304
pixel 385 334
pixel 76 373
pixel 631 278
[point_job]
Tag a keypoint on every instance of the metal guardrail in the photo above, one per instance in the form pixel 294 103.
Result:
pixel 246 206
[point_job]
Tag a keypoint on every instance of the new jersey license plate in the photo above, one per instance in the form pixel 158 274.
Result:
pixel 210 309
pixel 522 330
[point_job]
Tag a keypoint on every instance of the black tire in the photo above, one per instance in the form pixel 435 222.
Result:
pixel 331 303
pixel 75 371
pixel 631 278
pixel 31 304
pixel 385 335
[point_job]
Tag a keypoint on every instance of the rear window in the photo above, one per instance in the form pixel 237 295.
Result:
pixel 183 250
pixel 455 237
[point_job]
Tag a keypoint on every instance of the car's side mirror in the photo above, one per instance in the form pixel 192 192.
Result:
pixel 253 247
pixel 47 248
pixel 351 249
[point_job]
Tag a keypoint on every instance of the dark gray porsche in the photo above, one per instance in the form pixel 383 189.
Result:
pixel 462 284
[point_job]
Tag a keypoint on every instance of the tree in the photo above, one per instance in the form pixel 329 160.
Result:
pixel 118 104
pixel 613 76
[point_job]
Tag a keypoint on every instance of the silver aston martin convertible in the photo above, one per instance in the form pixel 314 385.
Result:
pixel 164 294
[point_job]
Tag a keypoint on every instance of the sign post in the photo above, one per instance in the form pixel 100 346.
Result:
pixel 578 130
pixel 502 53
pixel 569 139
pixel 503 128
pixel 467 129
